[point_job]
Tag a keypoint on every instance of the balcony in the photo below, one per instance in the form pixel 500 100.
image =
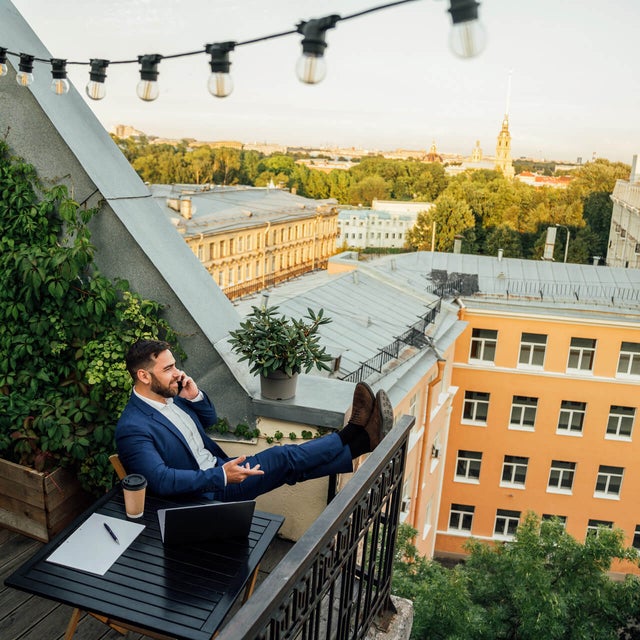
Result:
pixel 334 582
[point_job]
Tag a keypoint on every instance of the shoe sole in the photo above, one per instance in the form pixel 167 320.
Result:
pixel 386 412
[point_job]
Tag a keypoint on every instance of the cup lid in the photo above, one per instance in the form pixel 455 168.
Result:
pixel 134 481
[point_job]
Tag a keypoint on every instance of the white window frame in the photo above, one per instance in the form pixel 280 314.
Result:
pixel 515 469
pixel 610 476
pixel 561 473
pixel 585 354
pixel 469 460
pixel 475 400
pixel 521 408
pixel 531 347
pixel 506 524
pixel 571 412
pixel 461 518
pixel 484 343
pixel 551 516
pixel 594 526
pixel 636 538
pixel 629 356
pixel 621 419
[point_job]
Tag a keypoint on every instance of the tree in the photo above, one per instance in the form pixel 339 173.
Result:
pixel 368 189
pixel 452 217
pixel 420 236
pixel 542 584
pixel 504 238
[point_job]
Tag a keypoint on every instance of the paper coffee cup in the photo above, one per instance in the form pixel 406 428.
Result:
pixel 134 488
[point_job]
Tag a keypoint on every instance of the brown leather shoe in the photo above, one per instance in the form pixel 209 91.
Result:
pixel 381 420
pixel 362 405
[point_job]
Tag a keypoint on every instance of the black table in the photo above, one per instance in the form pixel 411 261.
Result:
pixel 180 592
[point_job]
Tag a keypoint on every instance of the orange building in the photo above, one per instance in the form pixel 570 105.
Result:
pixel 544 420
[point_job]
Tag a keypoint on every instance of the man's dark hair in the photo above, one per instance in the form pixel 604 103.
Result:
pixel 142 353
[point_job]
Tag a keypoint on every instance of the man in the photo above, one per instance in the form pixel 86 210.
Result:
pixel 161 435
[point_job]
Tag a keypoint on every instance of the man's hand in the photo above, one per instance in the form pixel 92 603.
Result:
pixel 189 387
pixel 236 471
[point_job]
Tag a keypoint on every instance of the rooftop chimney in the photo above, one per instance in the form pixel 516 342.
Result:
pixel 635 170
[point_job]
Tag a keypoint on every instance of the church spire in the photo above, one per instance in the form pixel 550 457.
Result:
pixel 503 147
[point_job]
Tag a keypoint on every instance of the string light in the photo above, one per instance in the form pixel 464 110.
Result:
pixel 59 84
pixel 311 67
pixel 3 62
pixel 95 88
pixel 220 83
pixel 24 77
pixel 467 39
pixel 147 88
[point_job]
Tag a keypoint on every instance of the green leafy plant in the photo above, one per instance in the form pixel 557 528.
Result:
pixel 64 332
pixel 270 342
pixel 241 430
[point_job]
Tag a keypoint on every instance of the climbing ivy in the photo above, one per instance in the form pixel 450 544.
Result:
pixel 64 331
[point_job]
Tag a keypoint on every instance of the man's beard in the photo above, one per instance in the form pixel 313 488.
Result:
pixel 162 390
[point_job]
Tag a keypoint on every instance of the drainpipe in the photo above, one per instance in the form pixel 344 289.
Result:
pixel 425 454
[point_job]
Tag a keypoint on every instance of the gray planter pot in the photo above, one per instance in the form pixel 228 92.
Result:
pixel 278 385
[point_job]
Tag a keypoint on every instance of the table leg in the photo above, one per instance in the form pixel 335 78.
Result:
pixel 73 623
pixel 248 590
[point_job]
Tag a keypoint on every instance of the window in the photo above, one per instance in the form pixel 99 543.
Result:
pixel 476 407
pixel 506 523
pixel 514 471
pixel 532 349
pixel 609 482
pixel 200 252
pixel 636 537
pixel 468 465
pixel 629 361
pixel 620 423
pixel 461 517
pixel 523 412
pixel 483 345
pixel 561 476
pixel 561 519
pixel 571 417
pixel 581 354
pixel 594 526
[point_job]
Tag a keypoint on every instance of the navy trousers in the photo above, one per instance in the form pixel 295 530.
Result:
pixel 289 464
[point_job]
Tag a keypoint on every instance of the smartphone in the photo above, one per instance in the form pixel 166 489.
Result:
pixel 179 385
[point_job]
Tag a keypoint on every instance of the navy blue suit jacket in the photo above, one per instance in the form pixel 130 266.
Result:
pixel 149 444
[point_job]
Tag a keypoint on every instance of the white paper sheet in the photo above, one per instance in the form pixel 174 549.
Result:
pixel 91 548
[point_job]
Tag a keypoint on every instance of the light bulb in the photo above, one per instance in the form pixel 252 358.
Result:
pixel 311 68
pixel 468 39
pixel 148 90
pixel 59 86
pixel 95 88
pixel 3 62
pixel 220 84
pixel 24 79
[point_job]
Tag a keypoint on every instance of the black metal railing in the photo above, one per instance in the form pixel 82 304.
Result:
pixel 336 579
pixel 413 336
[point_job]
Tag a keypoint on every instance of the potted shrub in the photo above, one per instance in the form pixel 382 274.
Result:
pixel 278 348
pixel 64 331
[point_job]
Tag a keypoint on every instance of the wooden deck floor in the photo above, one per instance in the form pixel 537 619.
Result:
pixel 27 617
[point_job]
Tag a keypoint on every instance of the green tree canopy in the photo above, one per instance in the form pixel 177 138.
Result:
pixel 542 584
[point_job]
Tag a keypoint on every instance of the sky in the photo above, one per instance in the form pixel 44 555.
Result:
pixel 565 70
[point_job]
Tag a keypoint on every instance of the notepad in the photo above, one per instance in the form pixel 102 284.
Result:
pixel 211 521
pixel 91 548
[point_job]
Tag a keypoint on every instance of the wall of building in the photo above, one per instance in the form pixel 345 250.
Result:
pixel 601 389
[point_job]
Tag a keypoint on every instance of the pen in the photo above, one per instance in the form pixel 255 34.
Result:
pixel 110 530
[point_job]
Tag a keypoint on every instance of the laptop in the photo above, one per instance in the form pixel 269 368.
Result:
pixel 202 522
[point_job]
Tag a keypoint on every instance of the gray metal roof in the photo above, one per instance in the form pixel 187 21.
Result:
pixel 229 207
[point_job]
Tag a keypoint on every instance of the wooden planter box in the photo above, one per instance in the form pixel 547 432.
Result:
pixel 39 505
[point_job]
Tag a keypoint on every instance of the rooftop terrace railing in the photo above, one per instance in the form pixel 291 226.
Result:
pixel 414 336
pixel 337 578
